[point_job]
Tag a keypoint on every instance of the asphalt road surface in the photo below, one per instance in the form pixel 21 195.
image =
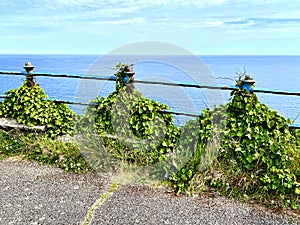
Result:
pixel 34 194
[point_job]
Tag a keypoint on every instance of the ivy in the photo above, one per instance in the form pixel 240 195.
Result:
pixel 259 142
pixel 244 135
pixel 199 143
pixel 28 105
pixel 144 134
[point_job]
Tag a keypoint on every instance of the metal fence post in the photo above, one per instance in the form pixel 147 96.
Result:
pixel 29 77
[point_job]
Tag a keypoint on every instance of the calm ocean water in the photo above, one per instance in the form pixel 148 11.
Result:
pixel 271 72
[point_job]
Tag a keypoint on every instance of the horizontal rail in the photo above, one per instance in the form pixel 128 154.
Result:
pixel 180 113
pixel 295 126
pixel 94 104
pixel 77 76
pixel 70 102
pixel 113 78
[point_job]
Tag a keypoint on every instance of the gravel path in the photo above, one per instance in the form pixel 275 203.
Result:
pixel 143 205
pixel 33 194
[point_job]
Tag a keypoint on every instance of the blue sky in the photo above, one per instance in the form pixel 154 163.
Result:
pixel 201 26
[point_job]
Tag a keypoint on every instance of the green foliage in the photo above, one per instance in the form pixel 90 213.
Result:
pixel 10 144
pixel 257 145
pixel 43 149
pixel 260 141
pixel 189 150
pixel 141 132
pixel 198 147
pixel 28 106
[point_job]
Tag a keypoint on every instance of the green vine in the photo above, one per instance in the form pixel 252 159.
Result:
pixel 144 134
pixel 256 141
pixel 199 144
pixel 261 142
pixel 252 140
pixel 28 105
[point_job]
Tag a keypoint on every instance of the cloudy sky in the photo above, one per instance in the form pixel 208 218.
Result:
pixel 201 26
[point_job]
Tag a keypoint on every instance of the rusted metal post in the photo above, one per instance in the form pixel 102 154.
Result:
pixel 29 77
pixel 129 80
pixel 248 84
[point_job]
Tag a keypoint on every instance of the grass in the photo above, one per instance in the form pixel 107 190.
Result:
pixel 80 155
pixel 38 147
pixel 230 181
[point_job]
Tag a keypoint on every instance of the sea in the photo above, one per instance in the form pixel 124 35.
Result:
pixel 269 72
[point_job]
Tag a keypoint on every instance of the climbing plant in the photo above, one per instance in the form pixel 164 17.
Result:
pixel 136 128
pixel 261 143
pixel 142 132
pixel 256 141
pixel 201 141
pixel 28 105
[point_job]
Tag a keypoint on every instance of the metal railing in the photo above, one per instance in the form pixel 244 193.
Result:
pixel 113 78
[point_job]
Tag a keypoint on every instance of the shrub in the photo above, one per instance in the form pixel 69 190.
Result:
pixel 260 141
pixel 257 146
pixel 141 131
pixel 28 105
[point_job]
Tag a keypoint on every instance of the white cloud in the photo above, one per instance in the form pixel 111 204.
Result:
pixel 138 4
pixel 135 20
pixel 182 2
pixel 160 18
pixel 74 2
pixel 215 23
